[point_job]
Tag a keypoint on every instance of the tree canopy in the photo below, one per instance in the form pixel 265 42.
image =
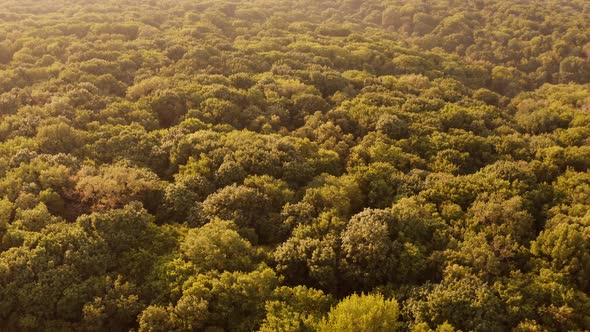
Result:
pixel 312 165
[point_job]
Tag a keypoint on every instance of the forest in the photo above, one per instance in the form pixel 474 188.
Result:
pixel 303 165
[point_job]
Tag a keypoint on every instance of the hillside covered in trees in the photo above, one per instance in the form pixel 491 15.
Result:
pixel 306 165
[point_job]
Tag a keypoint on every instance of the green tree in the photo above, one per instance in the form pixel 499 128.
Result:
pixel 461 299
pixel 295 309
pixel 60 137
pixel 367 249
pixel 113 186
pixel 562 247
pixel 217 246
pixel 362 313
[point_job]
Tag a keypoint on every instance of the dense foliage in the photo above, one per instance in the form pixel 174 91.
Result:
pixel 273 165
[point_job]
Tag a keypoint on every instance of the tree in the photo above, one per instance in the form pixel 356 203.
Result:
pixel 115 309
pixel 295 309
pixel 544 298
pixel 228 300
pixel 367 249
pixel 5 53
pixel 249 208
pixel 496 215
pixel 242 165
pixel 461 299
pixel 217 246
pixel 60 137
pixel 155 319
pixel 379 183
pixel 563 247
pixel 574 69
pixel 35 293
pixel 127 233
pixel 362 313
pixel 310 255
pixel 113 186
